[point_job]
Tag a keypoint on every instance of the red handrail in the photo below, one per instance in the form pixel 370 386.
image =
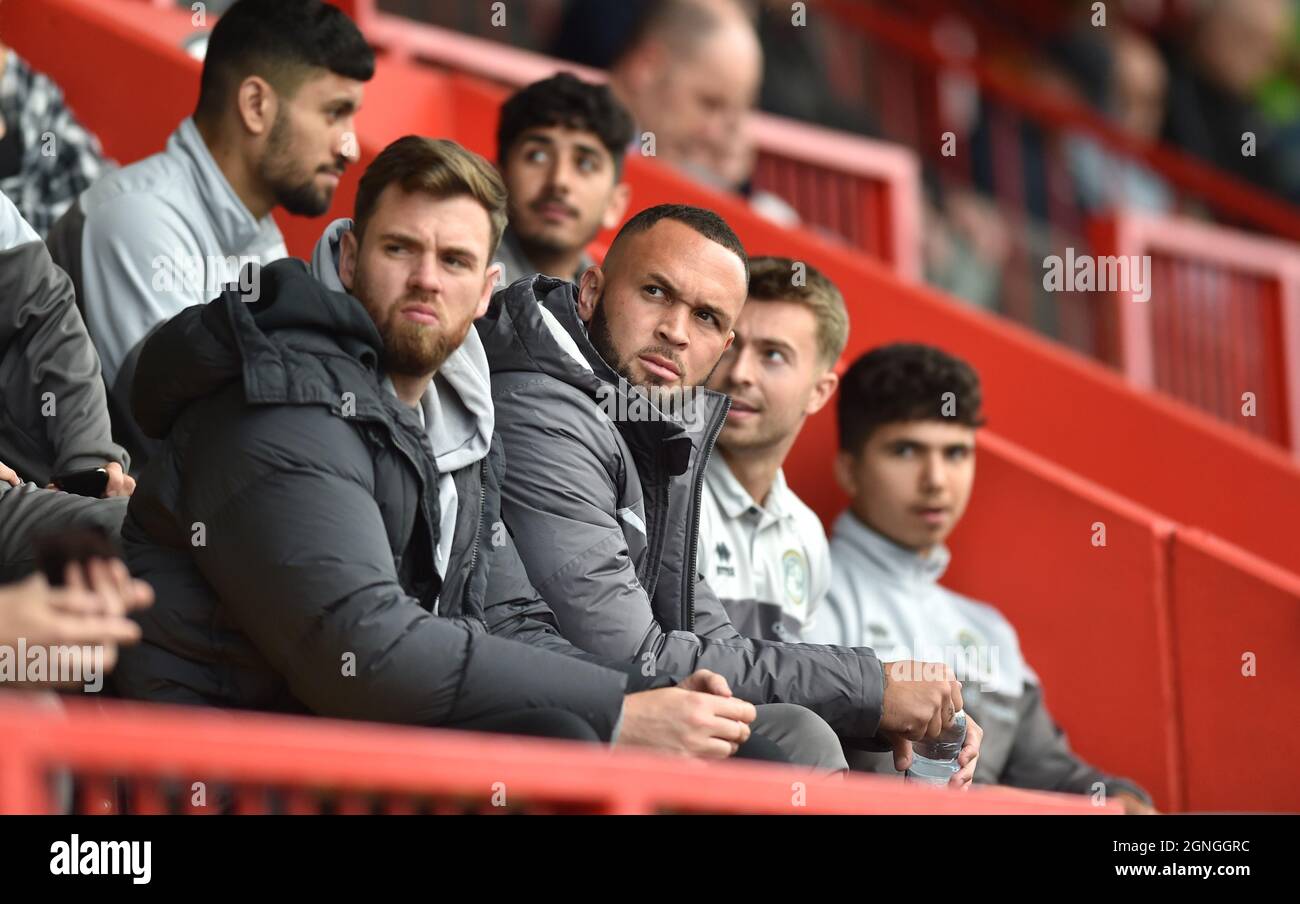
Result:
pixel 1230 195
pixel 386 767
pixel 1223 319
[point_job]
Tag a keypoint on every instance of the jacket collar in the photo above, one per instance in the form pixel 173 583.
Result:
pixel 734 499
pixel 511 255
pixel 233 222
pixel 890 560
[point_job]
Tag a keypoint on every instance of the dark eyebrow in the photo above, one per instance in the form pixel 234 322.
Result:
pixel 671 289
pixel 401 238
pixel 343 105
pixel 537 137
pixel 466 253
pixel 668 286
pixel 591 149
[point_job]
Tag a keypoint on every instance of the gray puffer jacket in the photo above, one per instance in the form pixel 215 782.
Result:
pixel 289 527
pixel 603 499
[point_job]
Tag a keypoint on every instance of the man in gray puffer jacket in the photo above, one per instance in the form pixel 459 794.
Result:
pixel 53 416
pixel 608 435
pixel 322 527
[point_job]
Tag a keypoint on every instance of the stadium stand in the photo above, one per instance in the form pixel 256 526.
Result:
pixel 1141 640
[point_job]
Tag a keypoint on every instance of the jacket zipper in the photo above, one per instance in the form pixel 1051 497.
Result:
pixel 482 504
pixel 694 538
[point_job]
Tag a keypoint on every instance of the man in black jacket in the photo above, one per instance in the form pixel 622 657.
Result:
pixel 322 526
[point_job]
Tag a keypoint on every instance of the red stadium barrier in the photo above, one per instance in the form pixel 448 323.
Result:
pixel 1223 319
pixel 255 763
pixel 1236 625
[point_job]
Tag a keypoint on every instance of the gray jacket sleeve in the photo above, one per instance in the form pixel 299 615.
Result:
pixel 560 499
pixel 295 547
pixel 61 399
pixel 513 610
pixel 1041 757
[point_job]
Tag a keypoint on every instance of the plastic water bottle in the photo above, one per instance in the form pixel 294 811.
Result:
pixel 934 762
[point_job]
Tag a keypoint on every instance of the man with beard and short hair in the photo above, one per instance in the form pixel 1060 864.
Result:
pixel 560 146
pixel 273 127
pixel 322 524
pixel 761 548
pixel 603 490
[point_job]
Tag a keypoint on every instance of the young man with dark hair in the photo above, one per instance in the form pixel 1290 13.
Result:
pixel 322 523
pixel 560 146
pixel 908 416
pixel 273 127
pixel 761 549
pixel 608 432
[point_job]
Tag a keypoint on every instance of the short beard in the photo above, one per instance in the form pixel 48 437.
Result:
pixel 410 349
pixel 301 199
pixel 599 333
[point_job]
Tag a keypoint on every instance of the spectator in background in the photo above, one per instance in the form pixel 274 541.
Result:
pixel 47 158
pixel 560 147
pixel 1133 90
pixel 908 467
pixel 281 84
pixel 1232 49
pixel 760 548
pixel 690 77
pixel 52 414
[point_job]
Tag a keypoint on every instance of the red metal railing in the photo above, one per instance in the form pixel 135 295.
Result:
pixel 1222 327
pixel 216 761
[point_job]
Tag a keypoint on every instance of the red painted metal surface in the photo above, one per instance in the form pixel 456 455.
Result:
pixel 320 765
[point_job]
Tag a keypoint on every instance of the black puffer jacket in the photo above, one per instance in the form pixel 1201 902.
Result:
pixel 288 527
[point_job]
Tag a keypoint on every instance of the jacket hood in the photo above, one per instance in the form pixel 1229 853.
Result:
pixel 207 346
pixel 457 407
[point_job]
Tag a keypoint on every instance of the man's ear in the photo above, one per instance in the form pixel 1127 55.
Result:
pixel 617 206
pixel 843 468
pixel 494 273
pixel 589 289
pixel 348 250
pixel 822 391
pixel 257 105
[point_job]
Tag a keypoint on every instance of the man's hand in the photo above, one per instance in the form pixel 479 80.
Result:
pixel 90 610
pixel 8 476
pixel 1134 805
pixel 968 758
pixel 119 482
pixel 920 698
pixel 706 682
pixel 678 720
